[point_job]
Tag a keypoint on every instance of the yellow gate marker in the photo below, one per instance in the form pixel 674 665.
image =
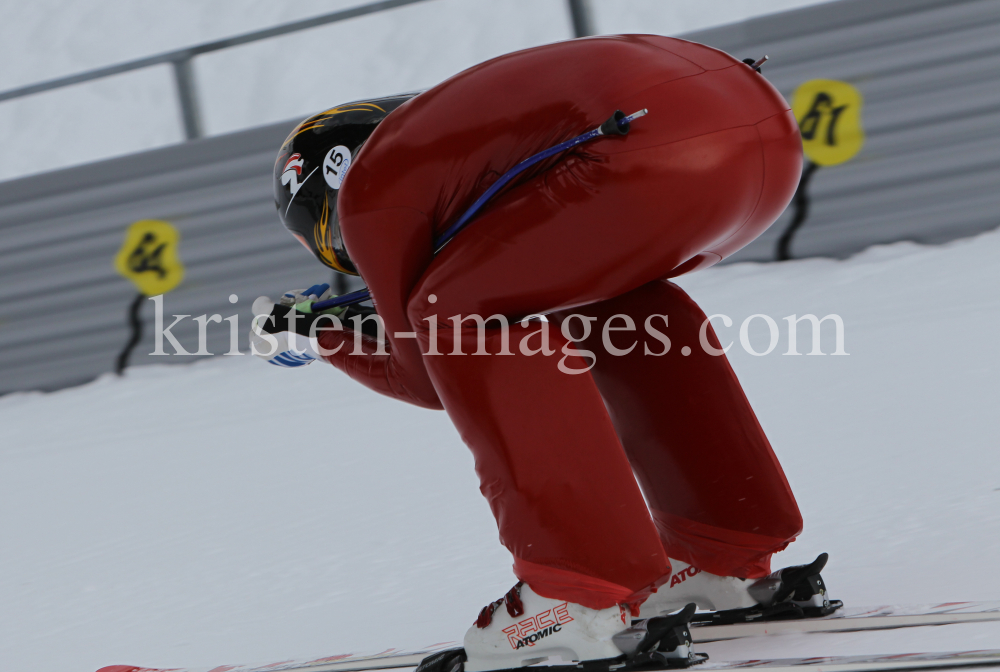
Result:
pixel 149 257
pixel 829 115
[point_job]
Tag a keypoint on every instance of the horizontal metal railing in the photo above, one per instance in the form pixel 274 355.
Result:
pixel 180 59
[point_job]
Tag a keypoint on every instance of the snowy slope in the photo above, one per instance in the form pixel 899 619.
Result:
pixel 274 80
pixel 233 512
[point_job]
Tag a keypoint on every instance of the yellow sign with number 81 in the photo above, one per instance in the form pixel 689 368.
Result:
pixel 829 116
pixel 149 257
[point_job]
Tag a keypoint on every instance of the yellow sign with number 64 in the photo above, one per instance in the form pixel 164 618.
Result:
pixel 149 257
pixel 829 115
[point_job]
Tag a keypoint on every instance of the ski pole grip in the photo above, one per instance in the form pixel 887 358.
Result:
pixel 286 318
pixel 613 125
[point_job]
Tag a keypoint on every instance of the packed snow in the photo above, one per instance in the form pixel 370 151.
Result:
pixel 233 512
pixel 274 80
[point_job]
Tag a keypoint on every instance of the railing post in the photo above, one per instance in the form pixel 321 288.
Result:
pixel 187 96
pixel 583 23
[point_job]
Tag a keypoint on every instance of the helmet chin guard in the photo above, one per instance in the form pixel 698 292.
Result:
pixel 311 167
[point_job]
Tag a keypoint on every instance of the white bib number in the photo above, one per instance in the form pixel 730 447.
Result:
pixel 335 166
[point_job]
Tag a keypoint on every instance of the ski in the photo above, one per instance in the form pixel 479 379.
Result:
pixel 907 661
pixel 859 618
pixel 893 663
pixel 386 660
pixel 843 620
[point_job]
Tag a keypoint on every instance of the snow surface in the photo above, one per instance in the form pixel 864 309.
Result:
pixel 230 511
pixel 274 80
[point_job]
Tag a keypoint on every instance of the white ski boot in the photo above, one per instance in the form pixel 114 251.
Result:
pixel 792 592
pixel 525 628
pixel 708 591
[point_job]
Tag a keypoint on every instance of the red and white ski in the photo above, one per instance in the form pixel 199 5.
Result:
pixel 894 663
pixel 843 620
pixel 858 618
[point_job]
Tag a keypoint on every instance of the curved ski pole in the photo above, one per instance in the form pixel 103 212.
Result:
pixel 617 124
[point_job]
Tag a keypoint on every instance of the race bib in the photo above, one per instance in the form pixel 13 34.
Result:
pixel 335 166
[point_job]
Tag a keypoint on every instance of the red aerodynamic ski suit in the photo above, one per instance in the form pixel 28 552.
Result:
pixel 593 232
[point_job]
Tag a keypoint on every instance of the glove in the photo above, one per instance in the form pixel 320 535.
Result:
pixel 271 340
pixel 289 342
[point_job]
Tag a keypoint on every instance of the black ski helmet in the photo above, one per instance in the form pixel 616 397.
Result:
pixel 325 143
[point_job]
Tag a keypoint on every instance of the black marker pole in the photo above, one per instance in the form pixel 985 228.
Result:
pixel 135 325
pixel 801 200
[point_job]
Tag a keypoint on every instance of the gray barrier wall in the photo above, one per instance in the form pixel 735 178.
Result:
pixel 63 306
pixel 928 70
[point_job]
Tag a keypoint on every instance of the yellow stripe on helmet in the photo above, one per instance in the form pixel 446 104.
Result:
pixel 317 120
pixel 323 237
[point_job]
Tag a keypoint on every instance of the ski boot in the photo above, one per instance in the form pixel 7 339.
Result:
pixel 532 629
pixel 789 593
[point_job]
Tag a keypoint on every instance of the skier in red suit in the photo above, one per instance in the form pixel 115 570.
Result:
pixel 562 448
